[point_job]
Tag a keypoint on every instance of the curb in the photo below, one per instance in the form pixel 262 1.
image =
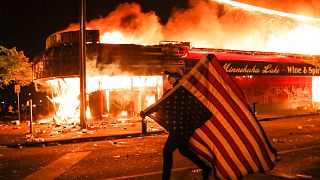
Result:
pixel 112 137
pixel 289 116
pixel 77 140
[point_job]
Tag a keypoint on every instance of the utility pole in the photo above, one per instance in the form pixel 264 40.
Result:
pixel 17 90
pixel 82 61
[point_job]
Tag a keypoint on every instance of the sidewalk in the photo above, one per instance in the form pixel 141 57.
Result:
pixel 45 134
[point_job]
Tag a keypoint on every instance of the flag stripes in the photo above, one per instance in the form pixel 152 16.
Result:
pixel 220 164
pixel 244 110
pixel 231 145
pixel 213 91
pixel 216 103
pixel 210 110
pixel 220 109
pixel 225 154
pixel 200 147
pixel 203 149
pixel 249 123
pixel 222 146
pixel 227 79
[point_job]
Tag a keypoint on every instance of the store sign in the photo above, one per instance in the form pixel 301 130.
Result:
pixel 269 68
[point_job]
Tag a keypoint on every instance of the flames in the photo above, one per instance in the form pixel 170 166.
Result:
pixel 65 92
pixel 221 24
pixel 268 11
pixel 303 38
pixel 232 25
pixel 113 38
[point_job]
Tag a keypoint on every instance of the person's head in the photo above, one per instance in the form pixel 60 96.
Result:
pixel 174 75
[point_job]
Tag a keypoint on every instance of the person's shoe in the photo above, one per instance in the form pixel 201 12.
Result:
pixel 206 173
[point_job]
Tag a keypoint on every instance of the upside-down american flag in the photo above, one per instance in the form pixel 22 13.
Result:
pixel 210 111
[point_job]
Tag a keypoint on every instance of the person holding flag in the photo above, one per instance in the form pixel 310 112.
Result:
pixel 176 140
pixel 208 111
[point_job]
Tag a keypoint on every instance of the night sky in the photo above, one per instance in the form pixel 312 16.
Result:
pixel 26 24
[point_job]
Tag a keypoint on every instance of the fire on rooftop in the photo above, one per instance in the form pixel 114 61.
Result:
pixel 123 79
pixel 123 76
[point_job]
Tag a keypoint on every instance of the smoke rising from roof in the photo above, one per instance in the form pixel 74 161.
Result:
pixel 214 25
pixel 136 26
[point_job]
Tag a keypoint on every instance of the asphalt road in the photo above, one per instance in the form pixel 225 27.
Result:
pixel 296 139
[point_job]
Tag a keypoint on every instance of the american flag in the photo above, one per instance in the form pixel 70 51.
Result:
pixel 210 111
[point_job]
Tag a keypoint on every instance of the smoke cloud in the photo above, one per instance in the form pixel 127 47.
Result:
pixel 136 26
pixel 215 25
pixel 209 24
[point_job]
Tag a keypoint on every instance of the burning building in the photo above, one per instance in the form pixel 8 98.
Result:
pixel 125 77
pixel 122 79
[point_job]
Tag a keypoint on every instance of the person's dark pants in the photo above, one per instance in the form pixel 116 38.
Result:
pixel 170 146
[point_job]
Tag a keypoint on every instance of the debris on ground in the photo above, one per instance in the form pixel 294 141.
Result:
pixel 276 140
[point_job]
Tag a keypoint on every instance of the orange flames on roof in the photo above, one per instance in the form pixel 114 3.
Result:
pixel 207 24
pixel 268 11
pixel 221 24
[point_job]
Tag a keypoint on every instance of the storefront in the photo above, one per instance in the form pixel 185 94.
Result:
pixel 123 79
pixel 271 82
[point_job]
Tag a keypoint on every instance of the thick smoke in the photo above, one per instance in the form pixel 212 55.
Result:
pixel 215 25
pixel 209 24
pixel 136 26
pixel 198 24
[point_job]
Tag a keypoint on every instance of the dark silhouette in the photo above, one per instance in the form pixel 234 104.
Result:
pixel 175 141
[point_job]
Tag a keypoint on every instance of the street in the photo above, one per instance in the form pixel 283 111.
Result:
pixel 296 139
